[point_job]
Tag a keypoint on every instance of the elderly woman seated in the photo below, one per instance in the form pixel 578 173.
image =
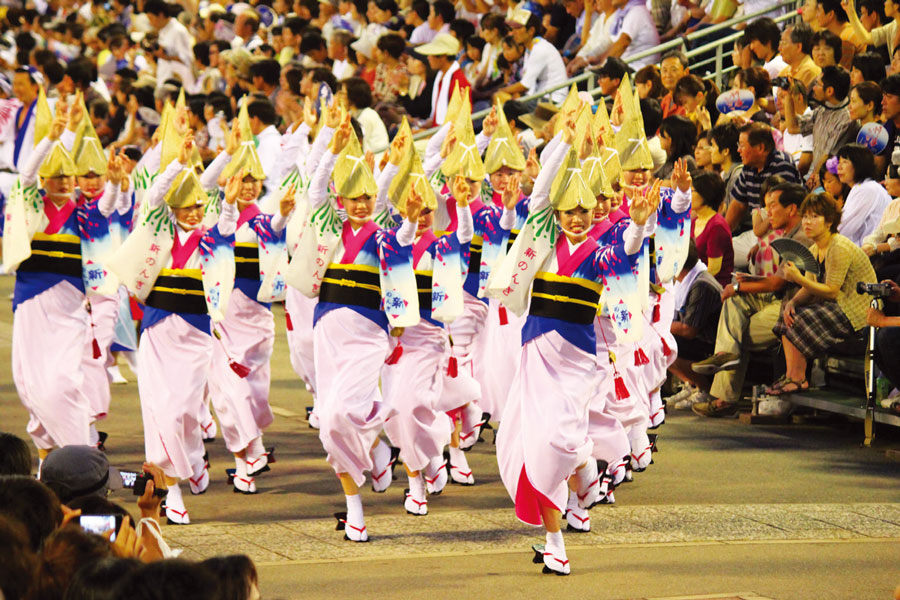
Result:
pixel 827 309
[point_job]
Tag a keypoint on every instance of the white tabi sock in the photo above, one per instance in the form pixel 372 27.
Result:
pixel 240 467
pixel 417 487
pixel 355 510
pixel 94 438
pixel 458 458
pixel 256 448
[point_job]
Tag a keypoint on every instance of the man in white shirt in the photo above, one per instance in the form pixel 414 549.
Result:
pixel 633 30
pixel 337 52
pixel 246 31
pixel 176 47
pixel 543 67
pixel 797 145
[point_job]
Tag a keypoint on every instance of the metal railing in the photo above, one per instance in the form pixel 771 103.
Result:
pixel 684 42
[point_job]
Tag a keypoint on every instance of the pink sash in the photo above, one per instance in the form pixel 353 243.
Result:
pixel 181 254
pixel 422 245
pixel 600 228
pixel 57 217
pixel 247 214
pixel 567 263
pixel 353 242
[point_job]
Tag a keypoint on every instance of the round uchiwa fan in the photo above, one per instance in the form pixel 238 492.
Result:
pixel 797 253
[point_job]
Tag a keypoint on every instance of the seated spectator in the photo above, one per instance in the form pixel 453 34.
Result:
pixel 757 80
pixel 359 104
pixel 703 154
pixel 723 153
pixel 31 503
pixel 697 306
pixel 388 52
pixel 632 32
pixel 882 244
pixel 15 456
pixel 831 17
pixel 827 310
pixel 797 145
pixel 493 30
pixel 765 37
pixel 66 551
pixel 829 124
pixel 762 257
pixel 677 136
pixel 831 183
pixel 598 40
pixel 709 230
pixel 648 83
pixel 235 573
pixel 75 471
pixel 864 106
pixel 440 15
pixel 543 67
pixel 610 75
pixel 750 310
pixel 691 93
pixel 170 579
pixel 867 200
pixel 100 579
pixel 474 49
pixel 19 564
pixel 441 53
pixel 826 51
pixel 796 46
pixel 364 51
pixel 414 87
pixel 883 35
pixel 652 114
pixel 868 66
pixel 887 344
pixel 339 53
pixel 672 68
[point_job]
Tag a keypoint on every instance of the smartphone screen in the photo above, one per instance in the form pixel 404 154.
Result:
pixel 99 524
pixel 128 478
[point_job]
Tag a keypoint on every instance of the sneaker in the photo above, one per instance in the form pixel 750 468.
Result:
pixel 686 392
pixel 775 407
pixel 713 408
pixel 723 361
pixel 696 397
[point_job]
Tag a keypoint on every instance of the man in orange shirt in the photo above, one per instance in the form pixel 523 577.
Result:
pixel 673 66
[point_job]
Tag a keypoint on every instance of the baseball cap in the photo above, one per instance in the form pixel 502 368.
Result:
pixel 75 471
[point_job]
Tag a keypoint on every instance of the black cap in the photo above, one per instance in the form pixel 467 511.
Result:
pixel 614 68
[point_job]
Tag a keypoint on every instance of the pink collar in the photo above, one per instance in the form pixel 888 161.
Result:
pixel 181 253
pixel 474 206
pixel 567 263
pixel 422 245
pixel 248 214
pixel 600 228
pixel 617 215
pixel 354 241
pixel 57 216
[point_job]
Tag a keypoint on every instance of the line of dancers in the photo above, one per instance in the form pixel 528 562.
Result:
pixel 424 299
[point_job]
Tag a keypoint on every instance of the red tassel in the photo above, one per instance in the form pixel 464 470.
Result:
pixel 96 347
pixel 452 369
pixel 621 390
pixel 640 358
pixel 656 313
pixel 241 370
pixel 287 321
pixel 504 318
pixel 394 358
pixel 666 350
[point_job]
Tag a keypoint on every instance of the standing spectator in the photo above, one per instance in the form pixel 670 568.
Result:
pixel 673 67
pixel 764 37
pixel 798 145
pixel 543 66
pixel 795 48
pixel 884 35
pixel 829 123
pixel 826 310
pixel 867 199
pixel 827 51
pixel 633 31
pixel 709 230
pixel 833 18
pixel 761 160
pixel 175 55
pixel 441 53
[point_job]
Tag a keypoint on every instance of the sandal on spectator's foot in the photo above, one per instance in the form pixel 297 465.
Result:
pixel 786 387
pixel 715 408
pixel 777 385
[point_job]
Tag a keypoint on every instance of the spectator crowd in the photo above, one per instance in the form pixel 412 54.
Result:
pixel 795 153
